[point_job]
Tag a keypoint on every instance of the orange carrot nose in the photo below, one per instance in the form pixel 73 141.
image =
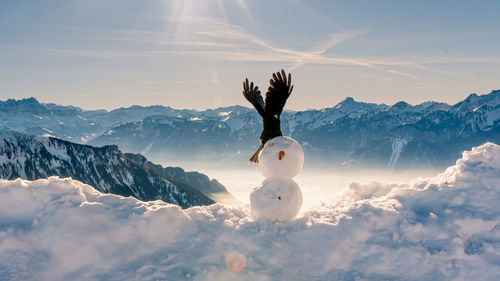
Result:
pixel 281 155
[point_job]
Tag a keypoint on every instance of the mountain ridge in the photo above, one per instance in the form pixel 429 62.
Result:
pixel 107 168
pixel 343 134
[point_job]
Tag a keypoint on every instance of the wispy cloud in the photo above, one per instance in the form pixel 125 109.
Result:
pixel 101 54
pixel 214 38
pixel 254 48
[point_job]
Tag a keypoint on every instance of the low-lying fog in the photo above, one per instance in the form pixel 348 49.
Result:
pixel 317 184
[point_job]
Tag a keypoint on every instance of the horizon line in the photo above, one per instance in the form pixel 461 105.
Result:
pixel 240 105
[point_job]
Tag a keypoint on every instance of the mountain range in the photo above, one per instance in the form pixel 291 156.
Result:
pixel 349 134
pixel 106 168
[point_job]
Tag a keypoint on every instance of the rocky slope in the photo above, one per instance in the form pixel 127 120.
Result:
pixel 106 168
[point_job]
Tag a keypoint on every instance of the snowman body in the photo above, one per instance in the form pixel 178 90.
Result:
pixel 278 197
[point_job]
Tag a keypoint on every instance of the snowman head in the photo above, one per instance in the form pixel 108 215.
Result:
pixel 282 157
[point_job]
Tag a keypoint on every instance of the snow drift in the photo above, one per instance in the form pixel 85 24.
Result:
pixel 442 228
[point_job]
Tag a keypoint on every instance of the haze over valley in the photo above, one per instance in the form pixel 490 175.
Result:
pixel 352 141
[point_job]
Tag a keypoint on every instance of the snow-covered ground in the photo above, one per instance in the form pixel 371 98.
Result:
pixel 441 228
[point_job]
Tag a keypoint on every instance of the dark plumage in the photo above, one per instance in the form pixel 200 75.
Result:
pixel 271 109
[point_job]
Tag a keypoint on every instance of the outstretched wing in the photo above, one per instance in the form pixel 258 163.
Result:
pixel 278 93
pixel 253 96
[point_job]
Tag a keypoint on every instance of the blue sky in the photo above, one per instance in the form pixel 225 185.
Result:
pixel 195 53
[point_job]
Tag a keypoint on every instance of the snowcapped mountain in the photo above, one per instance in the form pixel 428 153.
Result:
pixel 441 228
pixel 435 135
pixel 31 117
pixel 351 133
pixel 106 168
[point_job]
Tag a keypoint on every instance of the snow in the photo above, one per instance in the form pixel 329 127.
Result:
pixel 147 149
pixel 224 113
pixel 397 148
pixel 492 117
pixel 441 228
pixel 276 199
pixel 54 148
pixel 288 165
pixel 235 124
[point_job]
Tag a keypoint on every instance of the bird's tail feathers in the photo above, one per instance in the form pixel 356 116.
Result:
pixel 255 157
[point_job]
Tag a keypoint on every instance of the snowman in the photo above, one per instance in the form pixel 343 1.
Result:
pixel 278 197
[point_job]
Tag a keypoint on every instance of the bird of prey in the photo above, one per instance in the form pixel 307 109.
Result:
pixel 270 109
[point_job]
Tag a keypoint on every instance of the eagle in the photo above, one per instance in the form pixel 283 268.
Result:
pixel 278 92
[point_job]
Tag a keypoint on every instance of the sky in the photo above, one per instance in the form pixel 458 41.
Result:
pixel 195 53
